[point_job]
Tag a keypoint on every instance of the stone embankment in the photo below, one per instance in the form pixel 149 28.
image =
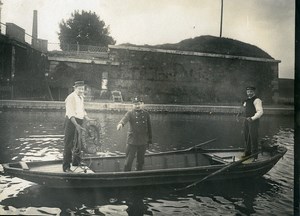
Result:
pixel 111 106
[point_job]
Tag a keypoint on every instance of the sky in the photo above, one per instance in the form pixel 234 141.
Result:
pixel 267 24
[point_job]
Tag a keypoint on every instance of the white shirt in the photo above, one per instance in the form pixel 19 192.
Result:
pixel 75 106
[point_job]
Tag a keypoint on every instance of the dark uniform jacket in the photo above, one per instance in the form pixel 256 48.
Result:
pixel 140 132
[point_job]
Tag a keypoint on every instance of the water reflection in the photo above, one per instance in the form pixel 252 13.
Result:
pixel 38 136
pixel 205 199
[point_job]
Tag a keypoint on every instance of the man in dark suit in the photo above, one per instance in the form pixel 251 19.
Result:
pixel 139 135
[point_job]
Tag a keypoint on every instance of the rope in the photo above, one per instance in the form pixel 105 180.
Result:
pixel 77 151
pixel 249 134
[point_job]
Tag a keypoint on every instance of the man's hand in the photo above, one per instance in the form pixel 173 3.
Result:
pixel 249 119
pixel 119 126
pixel 88 118
pixel 79 128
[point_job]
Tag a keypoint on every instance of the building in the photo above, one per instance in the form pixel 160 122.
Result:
pixel 22 66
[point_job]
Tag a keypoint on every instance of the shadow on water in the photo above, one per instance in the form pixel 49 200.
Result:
pixel 145 200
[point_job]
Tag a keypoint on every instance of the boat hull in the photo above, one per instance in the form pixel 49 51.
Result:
pixel 86 179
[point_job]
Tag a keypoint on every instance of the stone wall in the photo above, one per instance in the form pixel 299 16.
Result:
pixel 111 107
pixel 63 74
pixel 163 76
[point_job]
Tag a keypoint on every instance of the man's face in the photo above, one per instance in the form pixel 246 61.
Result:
pixel 137 105
pixel 79 90
pixel 250 93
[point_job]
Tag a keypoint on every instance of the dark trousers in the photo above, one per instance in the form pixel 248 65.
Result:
pixel 251 137
pixel 131 151
pixel 70 140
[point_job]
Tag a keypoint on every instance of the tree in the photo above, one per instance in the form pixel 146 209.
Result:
pixel 84 28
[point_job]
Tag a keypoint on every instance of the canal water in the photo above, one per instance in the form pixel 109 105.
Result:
pixel 34 135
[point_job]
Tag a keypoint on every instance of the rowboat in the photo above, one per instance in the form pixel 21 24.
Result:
pixel 185 166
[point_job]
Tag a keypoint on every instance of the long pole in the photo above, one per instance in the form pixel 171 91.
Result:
pixel 221 24
pixel 223 169
pixel 0 14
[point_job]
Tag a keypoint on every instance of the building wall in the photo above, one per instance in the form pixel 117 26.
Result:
pixel 286 91
pixel 63 74
pixel 190 79
pixel 5 69
pixel 22 74
pixel 162 76
pixel 15 32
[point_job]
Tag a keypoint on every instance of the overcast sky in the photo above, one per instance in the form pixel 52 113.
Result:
pixel 268 24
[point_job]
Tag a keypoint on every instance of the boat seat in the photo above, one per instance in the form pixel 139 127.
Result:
pixel 216 158
pixel 24 165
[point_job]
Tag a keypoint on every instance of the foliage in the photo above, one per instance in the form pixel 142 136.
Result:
pixel 84 28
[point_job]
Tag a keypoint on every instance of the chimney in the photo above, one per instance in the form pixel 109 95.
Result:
pixel 34 29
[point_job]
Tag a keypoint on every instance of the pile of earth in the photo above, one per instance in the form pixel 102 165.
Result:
pixel 212 44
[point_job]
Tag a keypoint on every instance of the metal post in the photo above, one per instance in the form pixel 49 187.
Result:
pixel 0 14
pixel 221 24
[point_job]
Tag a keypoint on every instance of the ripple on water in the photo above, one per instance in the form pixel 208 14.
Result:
pixel 117 210
pixel 275 195
pixel 10 210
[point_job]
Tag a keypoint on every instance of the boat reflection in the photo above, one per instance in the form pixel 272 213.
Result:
pixel 144 200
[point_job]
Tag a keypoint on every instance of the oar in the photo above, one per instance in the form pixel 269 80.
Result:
pixel 197 145
pixel 200 144
pixel 191 148
pixel 233 164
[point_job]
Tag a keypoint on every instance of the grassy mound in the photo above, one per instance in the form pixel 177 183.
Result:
pixel 217 45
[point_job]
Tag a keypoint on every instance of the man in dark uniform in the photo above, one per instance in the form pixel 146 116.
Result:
pixel 253 111
pixel 139 135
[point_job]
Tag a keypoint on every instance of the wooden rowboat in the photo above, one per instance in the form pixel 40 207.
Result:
pixel 173 167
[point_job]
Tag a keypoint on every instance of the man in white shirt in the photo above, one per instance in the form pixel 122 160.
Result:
pixel 253 112
pixel 75 113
